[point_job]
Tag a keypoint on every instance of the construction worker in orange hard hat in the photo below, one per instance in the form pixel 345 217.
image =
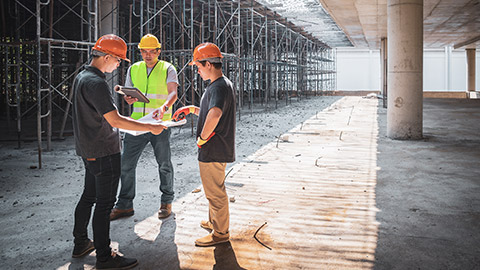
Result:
pixel 157 80
pixel 215 139
pixel 112 45
pixel 207 52
pixel 94 114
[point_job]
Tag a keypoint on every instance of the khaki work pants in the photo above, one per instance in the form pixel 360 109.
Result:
pixel 213 180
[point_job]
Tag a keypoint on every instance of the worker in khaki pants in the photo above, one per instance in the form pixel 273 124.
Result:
pixel 215 139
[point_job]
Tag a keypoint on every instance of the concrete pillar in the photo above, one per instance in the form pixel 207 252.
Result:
pixel 448 67
pixel 383 69
pixel 405 74
pixel 108 24
pixel 470 69
pixel 109 17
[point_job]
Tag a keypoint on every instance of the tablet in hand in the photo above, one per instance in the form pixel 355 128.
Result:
pixel 131 91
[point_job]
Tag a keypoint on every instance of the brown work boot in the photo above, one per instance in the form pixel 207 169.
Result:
pixel 165 210
pixel 119 213
pixel 207 225
pixel 211 240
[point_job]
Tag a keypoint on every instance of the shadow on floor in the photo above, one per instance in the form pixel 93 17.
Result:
pixel 427 191
pixel 225 258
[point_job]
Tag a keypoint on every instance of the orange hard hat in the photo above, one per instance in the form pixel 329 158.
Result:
pixel 112 44
pixel 207 52
pixel 149 41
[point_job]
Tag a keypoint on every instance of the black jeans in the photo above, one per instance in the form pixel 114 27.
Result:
pixel 101 182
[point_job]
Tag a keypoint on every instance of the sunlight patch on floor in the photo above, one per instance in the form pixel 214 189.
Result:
pixel 315 192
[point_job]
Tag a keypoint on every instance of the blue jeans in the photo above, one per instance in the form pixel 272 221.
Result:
pixel 101 184
pixel 132 149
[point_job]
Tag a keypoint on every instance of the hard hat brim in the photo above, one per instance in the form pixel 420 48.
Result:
pixel 210 59
pixel 101 53
pixel 149 48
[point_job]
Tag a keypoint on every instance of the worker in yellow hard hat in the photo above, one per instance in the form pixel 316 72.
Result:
pixel 94 114
pixel 157 80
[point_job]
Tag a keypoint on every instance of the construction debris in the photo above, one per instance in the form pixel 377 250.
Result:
pixel 255 236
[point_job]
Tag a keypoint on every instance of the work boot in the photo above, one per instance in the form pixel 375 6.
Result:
pixel 207 225
pixel 116 262
pixel 119 213
pixel 165 210
pixel 85 248
pixel 211 240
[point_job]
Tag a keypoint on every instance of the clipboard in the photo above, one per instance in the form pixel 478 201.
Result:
pixel 131 91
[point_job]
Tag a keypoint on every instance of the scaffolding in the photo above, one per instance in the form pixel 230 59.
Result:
pixel 269 59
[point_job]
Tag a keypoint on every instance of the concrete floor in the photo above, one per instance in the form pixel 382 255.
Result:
pixel 335 193
pixel 428 191
pixel 338 194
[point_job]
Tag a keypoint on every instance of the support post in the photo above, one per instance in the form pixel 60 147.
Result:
pixel 384 70
pixel 471 87
pixel 405 74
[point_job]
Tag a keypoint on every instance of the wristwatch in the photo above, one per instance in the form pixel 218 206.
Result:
pixel 166 108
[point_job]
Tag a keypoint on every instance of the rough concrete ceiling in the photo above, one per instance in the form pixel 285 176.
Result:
pixel 362 23
pixel 446 22
pixel 309 15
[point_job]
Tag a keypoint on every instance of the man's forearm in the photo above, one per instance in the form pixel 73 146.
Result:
pixel 211 121
pixel 118 121
pixel 172 94
pixel 171 98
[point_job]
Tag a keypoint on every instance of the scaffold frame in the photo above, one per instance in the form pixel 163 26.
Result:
pixel 268 58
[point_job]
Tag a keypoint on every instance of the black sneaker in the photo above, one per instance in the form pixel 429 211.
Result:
pixel 83 249
pixel 116 262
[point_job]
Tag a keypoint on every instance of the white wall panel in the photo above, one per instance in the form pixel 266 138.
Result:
pixel 360 70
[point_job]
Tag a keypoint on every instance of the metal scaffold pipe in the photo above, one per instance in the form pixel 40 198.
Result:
pixel 268 57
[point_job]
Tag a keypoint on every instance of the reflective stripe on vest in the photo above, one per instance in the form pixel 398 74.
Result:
pixel 154 87
pixel 142 111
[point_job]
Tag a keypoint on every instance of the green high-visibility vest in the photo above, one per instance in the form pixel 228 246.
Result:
pixel 153 86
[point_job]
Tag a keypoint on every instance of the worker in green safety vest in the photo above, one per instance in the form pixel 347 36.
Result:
pixel 158 81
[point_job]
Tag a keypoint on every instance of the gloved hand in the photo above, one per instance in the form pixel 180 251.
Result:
pixel 201 141
pixel 181 113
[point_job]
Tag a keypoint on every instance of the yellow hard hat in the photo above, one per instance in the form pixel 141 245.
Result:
pixel 149 41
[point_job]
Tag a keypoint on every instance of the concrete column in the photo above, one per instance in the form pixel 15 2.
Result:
pixel 470 69
pixel 383 69
pixel 405 74
pixel 448 65
pixel 109 17
pixel 108 14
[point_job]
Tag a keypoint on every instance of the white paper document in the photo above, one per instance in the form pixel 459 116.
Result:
pixel 149 119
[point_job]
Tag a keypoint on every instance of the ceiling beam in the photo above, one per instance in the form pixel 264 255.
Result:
pixel 466 42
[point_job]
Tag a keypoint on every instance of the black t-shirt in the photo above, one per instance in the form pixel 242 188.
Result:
pixel 221 147
pixel 94 136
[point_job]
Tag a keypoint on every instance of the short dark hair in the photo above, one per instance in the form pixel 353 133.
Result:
pixel 215 65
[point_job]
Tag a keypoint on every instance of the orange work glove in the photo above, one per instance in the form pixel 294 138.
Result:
pixel 201 141
pixel 181 113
